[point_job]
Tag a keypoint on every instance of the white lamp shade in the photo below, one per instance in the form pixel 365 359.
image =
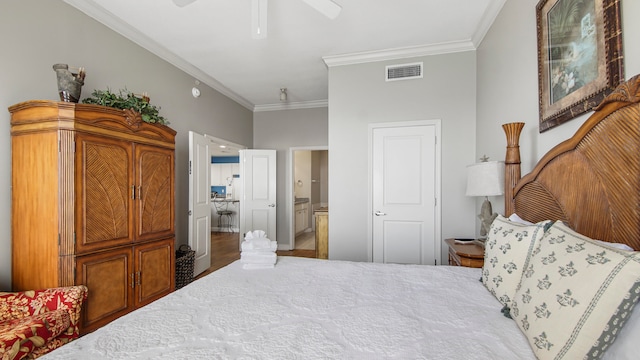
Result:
pixel 485 179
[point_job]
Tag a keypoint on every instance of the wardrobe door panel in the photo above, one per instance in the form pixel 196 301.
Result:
pixel 155 192
pixel 104 203
pixel 154 270
pixel 109 278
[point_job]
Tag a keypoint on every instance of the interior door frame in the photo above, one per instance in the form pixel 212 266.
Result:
pixel 290 200
pixel 438 181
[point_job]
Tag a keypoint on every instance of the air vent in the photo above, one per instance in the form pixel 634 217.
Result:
pixel 403 72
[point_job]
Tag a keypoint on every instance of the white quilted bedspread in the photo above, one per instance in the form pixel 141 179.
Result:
pixel 315 309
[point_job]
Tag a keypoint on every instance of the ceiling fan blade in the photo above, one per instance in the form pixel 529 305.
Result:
pixel 259 19
pixel 327 7
pixel 182 3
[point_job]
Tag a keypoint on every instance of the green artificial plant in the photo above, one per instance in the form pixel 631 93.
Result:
pixel 124 100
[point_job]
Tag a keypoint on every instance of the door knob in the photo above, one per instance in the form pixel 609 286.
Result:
pixel 272 205
pixel 380 213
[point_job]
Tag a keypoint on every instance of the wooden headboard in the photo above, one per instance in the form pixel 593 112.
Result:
pixel 590 181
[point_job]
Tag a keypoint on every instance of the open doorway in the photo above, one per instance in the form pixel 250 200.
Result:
pixel 309 193
pixel 205 175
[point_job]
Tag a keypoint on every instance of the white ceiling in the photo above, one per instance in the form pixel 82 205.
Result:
pixel 211 39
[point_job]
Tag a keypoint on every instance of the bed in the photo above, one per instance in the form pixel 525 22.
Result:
pixel 323 309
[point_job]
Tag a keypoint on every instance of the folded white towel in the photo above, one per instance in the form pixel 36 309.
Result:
pixel 251 246
pixel 256 234
pixel 258 254
pixel 262 243
pixel 257 266
pixel 258 258
pixel 258 262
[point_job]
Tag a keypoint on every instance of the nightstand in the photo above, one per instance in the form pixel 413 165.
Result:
pixel 469 255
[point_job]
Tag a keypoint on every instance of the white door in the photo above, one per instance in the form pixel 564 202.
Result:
pixel 200 201
pixel 404 200
pixel 258 178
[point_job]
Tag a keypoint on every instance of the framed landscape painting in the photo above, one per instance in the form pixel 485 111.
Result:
pixel 579 56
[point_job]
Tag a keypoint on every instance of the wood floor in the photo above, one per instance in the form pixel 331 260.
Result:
pixel 224 251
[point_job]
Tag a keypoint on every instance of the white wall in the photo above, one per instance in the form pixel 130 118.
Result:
pixel 37 34
pixel 358 96
pixel 282 130
pixel 508 82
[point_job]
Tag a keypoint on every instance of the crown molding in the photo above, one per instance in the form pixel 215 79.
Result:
pixel 398 53
pixel 292 106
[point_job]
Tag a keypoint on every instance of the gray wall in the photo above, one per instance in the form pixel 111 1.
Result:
pixel 37 34
pixel 358 96
pixel 508 82
pixel 504 73
pixel 283 130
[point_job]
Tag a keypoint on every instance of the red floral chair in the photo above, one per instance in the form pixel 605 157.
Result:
pixel 35 322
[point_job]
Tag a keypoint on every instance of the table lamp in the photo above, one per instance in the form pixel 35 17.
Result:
pixel 486 179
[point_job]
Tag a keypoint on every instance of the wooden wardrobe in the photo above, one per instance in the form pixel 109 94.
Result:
pixel 93 193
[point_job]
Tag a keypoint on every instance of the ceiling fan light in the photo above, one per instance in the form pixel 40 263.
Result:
pixel 327 7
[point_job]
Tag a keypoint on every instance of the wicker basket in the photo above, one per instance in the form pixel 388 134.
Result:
pixel 185 258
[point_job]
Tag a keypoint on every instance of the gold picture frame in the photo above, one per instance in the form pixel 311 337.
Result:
pixel 579 56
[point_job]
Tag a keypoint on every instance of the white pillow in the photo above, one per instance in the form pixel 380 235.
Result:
pixel 575 295
pixel 619 246
pixel 506 255
pixel 516 218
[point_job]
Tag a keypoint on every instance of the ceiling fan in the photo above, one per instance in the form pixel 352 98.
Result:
pixel 259 13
